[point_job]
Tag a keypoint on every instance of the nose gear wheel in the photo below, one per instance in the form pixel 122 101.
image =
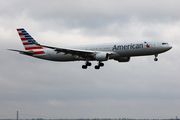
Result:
pixel 156 59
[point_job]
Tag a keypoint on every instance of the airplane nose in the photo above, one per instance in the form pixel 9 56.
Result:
pixel 169 47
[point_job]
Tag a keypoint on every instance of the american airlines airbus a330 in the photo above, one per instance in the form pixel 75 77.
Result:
pixel 120 52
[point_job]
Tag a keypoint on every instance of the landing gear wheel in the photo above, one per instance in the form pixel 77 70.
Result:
pixel 84 67
pixel 97 67
pixel 155 59
pixel 101 64
pixel 88 64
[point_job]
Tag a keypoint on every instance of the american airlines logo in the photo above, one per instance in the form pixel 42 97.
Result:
pixel 127 47
pixel 147 45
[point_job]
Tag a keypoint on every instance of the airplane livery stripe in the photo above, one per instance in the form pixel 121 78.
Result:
pixel 38 52
pixel 32 48
pixel 30 45
pixel 23 39
pixel 18 29
pixel 26 43
pixel 25 33
pixel 21 34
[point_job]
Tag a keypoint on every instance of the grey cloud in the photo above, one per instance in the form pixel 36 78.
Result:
pixel 111 9
pixel 93 10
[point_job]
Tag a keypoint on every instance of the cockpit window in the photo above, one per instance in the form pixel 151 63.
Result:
pixel 164 43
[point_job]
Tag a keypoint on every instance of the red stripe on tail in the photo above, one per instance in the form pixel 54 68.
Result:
pixel 38 52
pixel 26 43
pixel 32 48
pixel 23 39
pixel 21 34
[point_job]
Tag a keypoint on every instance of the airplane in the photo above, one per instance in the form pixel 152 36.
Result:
pixel 121 52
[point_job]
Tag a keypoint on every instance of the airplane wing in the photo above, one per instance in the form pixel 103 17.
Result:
pixel 78 52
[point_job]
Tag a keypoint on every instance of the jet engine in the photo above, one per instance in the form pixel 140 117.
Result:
pixel 102 56
pixel 123 59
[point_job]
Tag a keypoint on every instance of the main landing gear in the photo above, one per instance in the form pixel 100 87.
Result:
pixel 87 63
pixel 156 59
pixel 100 64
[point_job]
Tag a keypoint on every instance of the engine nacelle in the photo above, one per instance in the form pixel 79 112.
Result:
pixel 102 56
pixel 123 59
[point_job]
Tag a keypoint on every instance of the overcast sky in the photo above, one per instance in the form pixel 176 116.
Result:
pixel 141 88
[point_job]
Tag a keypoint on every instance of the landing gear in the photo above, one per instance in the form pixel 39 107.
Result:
pixel 100 64
pixel 156 59
pixel 86 65
pixel 97 67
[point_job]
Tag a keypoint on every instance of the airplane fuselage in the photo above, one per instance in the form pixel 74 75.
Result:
pixel 120 50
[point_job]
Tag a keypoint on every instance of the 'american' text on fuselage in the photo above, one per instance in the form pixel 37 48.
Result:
pixel 127 47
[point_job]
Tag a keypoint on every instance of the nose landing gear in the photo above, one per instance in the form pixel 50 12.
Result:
pixel 156 59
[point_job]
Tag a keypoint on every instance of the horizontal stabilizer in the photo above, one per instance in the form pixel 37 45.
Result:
pixel 23 52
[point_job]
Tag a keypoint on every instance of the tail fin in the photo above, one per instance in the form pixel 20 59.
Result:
pixel 27 42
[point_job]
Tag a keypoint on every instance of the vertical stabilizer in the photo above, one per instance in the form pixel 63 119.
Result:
pixel 27 42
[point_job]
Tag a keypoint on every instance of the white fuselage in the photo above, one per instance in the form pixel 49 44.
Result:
pixel 119 49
